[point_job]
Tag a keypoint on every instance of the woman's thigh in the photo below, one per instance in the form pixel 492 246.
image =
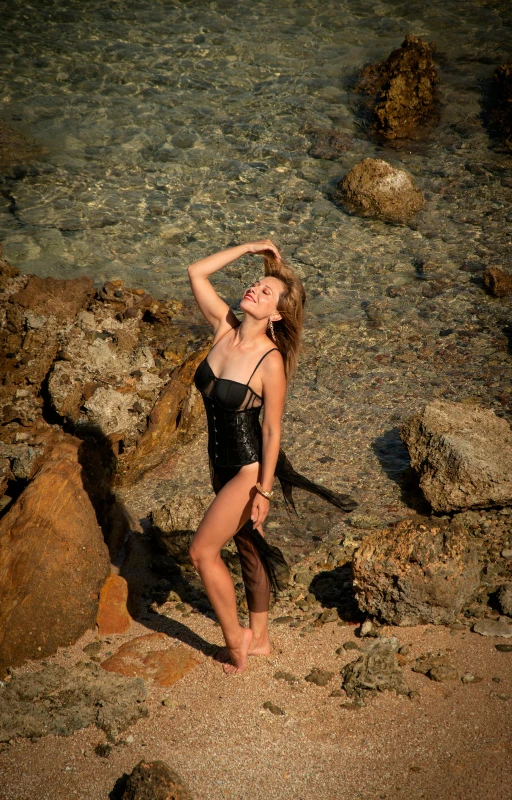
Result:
pixel 228 512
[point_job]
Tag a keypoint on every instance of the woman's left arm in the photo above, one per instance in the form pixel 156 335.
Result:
pixel 274 394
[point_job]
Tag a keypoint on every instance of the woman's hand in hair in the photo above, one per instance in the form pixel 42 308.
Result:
pixel 263 246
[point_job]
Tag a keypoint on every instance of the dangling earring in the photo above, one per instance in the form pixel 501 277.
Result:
pixel 270 325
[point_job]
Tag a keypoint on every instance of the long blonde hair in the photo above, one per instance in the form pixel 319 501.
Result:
pixel 290 305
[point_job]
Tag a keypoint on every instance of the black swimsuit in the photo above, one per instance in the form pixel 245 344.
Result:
pixel 235 439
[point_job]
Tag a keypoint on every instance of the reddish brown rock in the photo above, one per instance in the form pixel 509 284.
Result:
pixel 62 299
pixel 373 188
pixel 416 572
pixel 113 616
pixel 174 415
pixel 497 282
pixel 53 562
pixel 149 657
pixel 404 86
pixel 154 780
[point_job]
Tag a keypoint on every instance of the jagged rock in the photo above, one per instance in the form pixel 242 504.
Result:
pixel 373 671
pixel 53 561
pixel 497 282
pixel 462 454
pixel 417 571
pixel 95 383
pixel 175 415
pixel 501 100
pixel 175 523
pixel 62 299
pixel 373 188
pixel 60 701
pixel 404 87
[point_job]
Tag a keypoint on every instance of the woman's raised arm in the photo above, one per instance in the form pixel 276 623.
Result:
pixel 215 310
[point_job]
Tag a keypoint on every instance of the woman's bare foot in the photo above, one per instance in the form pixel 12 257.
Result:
pixel 238 655
pixel 258 647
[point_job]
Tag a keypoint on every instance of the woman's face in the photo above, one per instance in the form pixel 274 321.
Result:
pixel 261 298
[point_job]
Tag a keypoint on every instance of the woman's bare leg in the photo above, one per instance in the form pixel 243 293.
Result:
pixel 228 512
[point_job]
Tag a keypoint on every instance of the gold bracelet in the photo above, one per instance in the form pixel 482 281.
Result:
pixel 261 490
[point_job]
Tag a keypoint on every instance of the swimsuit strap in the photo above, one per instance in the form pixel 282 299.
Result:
pixel 259 362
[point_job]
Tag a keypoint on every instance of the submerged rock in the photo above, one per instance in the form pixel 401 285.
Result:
pixel 374 188
pixel 53 562
pixel 417 571
pixel 501 114
pixel 497 283
pixel 404 88
pixel 462 454
pixel 17 151
pixel 377 670
pixel 154 780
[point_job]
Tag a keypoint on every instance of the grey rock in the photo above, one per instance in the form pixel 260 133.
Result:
pixel 60 701
pixel 462 454
pixel 374 671
pixel 491 627
pixel 421 570
pixel 505 599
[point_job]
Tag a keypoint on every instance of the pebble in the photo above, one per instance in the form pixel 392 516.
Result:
pixel 504 648
pixel 283 620
pixel 319 677
pixel 506 553
pixel 273 708
pixel 286 676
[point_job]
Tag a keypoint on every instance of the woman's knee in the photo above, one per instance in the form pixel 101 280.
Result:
pixel 201 554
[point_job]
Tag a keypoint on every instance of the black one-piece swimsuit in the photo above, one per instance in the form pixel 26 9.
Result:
pixel 234 440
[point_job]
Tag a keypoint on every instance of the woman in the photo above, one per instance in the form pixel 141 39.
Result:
pixel 248 366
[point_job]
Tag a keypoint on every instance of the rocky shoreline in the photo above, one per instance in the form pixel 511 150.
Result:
pixel 403 399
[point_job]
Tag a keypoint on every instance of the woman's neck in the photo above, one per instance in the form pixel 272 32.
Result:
pixel 249 330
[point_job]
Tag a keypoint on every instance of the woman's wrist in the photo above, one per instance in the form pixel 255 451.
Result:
pixel 264 492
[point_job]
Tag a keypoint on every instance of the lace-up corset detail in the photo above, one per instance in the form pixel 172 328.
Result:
pixel 232 410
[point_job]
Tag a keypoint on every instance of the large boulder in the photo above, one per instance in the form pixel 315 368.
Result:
pixel 53 562
pixel 404 90
pixel 415 572
pixel 462 455
pixel 373 188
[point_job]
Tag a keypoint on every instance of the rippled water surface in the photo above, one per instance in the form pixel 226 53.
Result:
pixel 175 128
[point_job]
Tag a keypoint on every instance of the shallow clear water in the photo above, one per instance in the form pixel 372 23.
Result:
pixel 174 129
